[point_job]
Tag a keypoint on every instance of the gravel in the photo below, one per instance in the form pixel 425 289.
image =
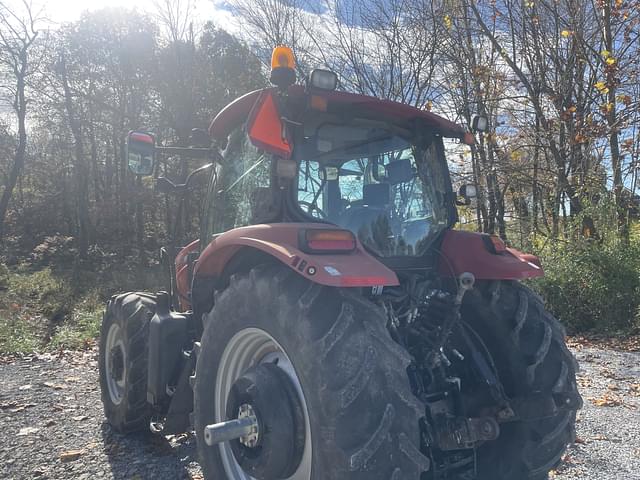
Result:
pixel 608 426
pixel 51 424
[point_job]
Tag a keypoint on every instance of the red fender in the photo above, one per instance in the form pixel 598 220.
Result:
pixel 467 252
pixel 280 240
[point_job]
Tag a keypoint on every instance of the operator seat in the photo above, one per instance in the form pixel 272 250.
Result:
pixel 375 201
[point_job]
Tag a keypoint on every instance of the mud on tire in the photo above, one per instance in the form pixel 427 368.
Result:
pixel 129 313
pixel 364 418
pixel 538 374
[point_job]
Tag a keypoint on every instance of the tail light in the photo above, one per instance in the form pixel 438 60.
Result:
pixel 326 241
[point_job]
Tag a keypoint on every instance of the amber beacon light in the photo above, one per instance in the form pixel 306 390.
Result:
pixel 283 67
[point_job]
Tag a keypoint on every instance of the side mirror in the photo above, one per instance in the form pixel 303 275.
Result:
pixel 141 152
pixel 467 192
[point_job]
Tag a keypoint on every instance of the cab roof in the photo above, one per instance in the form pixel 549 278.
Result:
pixel 238 111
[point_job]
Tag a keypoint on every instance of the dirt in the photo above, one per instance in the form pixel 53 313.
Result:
pixel 51 423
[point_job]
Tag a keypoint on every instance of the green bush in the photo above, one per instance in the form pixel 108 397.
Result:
pixel 592 285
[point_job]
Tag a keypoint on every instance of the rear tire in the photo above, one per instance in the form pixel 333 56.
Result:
pixel 363 417
pixel 124 345
pixel 537 371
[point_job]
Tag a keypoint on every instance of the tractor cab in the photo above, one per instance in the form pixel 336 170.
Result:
pixel 311 154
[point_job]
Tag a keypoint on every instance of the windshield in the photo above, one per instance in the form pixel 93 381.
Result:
pixel 389 192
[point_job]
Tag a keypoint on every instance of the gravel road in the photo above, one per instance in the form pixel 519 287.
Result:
pixel 51 424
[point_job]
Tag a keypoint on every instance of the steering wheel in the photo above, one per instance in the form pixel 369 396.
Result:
pixel 313 210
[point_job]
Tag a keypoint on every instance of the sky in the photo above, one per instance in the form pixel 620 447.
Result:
pixel 60 11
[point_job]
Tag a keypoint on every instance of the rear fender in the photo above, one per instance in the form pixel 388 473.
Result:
pixel 280 241
pixel 467 252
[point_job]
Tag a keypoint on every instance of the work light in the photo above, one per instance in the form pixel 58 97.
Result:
pixel 323 79
pixel 479 123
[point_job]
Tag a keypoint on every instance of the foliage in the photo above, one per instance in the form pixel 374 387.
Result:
pixel 82 327
pixel 52 308
pixel 92 81
pixel 593 284
pixel 16 334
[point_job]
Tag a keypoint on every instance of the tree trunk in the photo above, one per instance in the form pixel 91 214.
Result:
pixel 20 106
pixel 614 144
pixel 81 179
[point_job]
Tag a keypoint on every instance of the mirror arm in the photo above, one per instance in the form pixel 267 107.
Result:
pixel 195 172
pixel 188 151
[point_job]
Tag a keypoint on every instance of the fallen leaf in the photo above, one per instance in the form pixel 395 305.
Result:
pixel 71 455
pixel 607 400
pixel 55 386
pixel 609 374
pixel 20 408
pixel 566 458
pixel 79 418
pixel 585 382
pixel 39 471
pixel 27 431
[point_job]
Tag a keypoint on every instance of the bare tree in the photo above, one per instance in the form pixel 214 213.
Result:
pixel 176 16
pixel 18 32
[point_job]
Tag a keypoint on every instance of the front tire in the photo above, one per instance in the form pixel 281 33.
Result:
pixel 538 374
pixel 124 345
pixel 361 418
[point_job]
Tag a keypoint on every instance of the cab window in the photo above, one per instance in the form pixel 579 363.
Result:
pixel 241 191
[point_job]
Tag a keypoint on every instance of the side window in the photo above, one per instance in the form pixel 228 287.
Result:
pixel 310 185
pixel 242 193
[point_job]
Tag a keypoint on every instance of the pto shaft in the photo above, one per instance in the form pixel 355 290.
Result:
pixel 230 430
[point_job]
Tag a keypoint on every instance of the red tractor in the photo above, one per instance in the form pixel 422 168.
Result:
pixel 329 323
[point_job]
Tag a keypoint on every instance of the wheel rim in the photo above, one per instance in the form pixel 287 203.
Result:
pixel 247 348
pixel 115 361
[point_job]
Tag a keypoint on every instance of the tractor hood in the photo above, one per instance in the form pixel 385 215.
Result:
pixel 238 111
